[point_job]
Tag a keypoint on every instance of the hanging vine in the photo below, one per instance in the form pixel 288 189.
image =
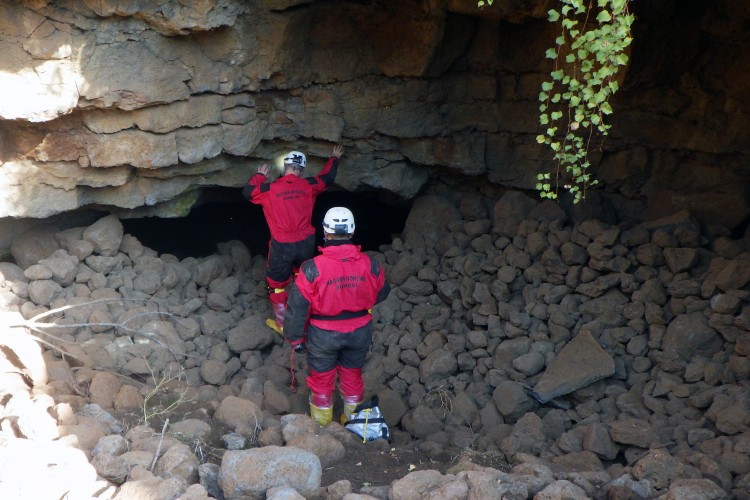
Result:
pixel 588 55
pixel 575 101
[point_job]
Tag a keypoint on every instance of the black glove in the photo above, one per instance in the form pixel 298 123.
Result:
pixel 299 348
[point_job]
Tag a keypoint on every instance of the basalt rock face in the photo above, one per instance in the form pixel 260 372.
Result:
pixel 138 108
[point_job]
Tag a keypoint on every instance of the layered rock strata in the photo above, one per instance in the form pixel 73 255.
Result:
pixel 138 109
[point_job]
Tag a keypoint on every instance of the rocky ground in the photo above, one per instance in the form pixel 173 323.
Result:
pixel 521 354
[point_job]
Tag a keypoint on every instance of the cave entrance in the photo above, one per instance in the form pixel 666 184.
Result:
pixel 219 219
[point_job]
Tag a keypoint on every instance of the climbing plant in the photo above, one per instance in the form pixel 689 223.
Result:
pixel 575 100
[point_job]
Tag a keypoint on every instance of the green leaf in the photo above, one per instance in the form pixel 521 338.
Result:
pixel 547 86
pixel 551 54
pixel 553 16
pixel 540 139
pixel 606 108
pixel 605 72
pixel 557 75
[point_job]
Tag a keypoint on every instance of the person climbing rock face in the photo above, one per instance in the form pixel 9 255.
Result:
pixel 330 313
pixel 287 206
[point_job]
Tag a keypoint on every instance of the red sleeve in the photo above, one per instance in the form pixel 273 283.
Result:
pixel 326 176
pixel 252 191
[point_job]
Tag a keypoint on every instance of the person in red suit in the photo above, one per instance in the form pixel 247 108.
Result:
pixel 330 314
pixel 287 206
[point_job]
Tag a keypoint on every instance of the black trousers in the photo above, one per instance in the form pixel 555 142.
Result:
pixel 285 258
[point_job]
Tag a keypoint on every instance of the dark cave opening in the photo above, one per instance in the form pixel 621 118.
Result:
pixel 223 219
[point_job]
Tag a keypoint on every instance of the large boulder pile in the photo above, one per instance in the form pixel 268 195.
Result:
pixel 597 359
pixel 588 345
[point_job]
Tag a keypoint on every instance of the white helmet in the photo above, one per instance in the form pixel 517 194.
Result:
pixel 338 220
pixel 295 159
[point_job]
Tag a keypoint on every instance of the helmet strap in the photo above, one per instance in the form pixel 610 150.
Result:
pixel 337 239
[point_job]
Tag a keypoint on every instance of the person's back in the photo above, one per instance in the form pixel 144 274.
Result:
pixel 348 285
pixel 291 209
pixel 288 202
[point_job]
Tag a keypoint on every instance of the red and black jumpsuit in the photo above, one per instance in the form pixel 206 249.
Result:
pixel 330 309
pixel 288 205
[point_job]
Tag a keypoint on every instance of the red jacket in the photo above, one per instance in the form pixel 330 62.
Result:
pixel 288 201
pixel 335 290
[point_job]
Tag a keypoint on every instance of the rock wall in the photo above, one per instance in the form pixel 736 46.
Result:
pixel 137 108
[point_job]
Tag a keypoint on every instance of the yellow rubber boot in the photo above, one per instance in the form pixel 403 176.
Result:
pixel 271 323
pixel 277 298
pixel 323 416
pixel 348 410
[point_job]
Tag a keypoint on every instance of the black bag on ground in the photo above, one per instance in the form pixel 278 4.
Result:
pixel 367 422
